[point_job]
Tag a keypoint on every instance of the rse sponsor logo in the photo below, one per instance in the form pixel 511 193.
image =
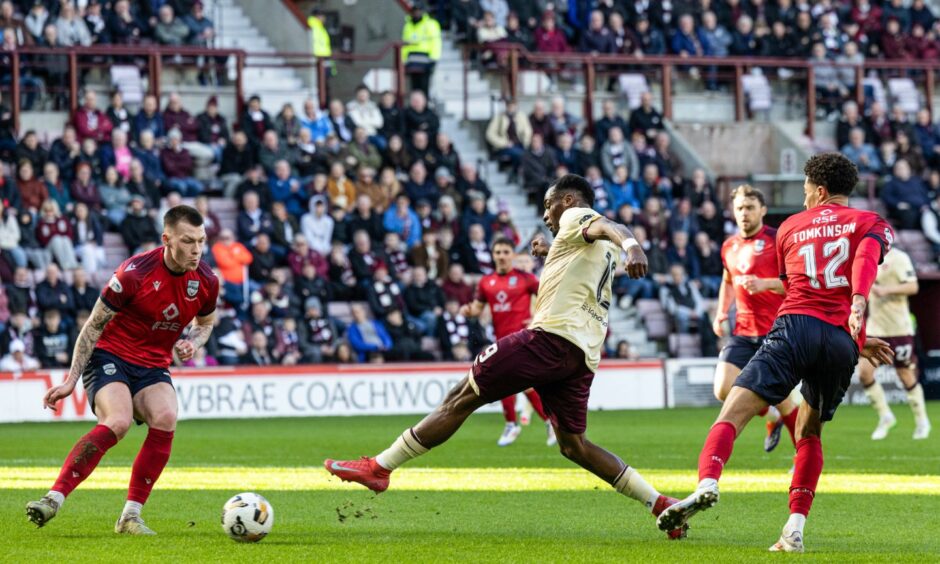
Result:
pixel 165 326
pixel 825 218
pixel 115 285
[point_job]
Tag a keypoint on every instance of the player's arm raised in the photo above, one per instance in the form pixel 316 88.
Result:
pixel 603 228
pixel 87 339
pixel 198 336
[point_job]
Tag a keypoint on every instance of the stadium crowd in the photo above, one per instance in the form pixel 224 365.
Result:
pixel 366 202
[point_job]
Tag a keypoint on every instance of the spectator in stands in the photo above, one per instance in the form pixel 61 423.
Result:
pixel 425 300
pixel 54 233
pixel 540 122
pixel 566 154
pixel 137 229
pixel 367 115
pixel 170 30
pixel 238 158
pixel 403 220
pixel 682 252
pixel 910 152
pixel 537 168
pixel 710 221
pixel 212 129
pixel 459 337
pixel 319 334
pixel 64 153
pixel 178 165
pixel 123 27
pixel 649 38
pixel 927 135
pixel 259 353
pixel 646 118
pixel 363 152
pixel 12 21
pixel 617 152
pixel 54 293
pixel 176 117
pixel 29 149
pixel 630 290
pixel 718 37
pixel 878 124
pixel 272 151
pixel 230 337
pixel 619 191
pixel 317 226
pixel 430 256
pixel 7 130
pixel 475 253
pixel 32 190
pixel 597 37
pixel 96 23
pixel 383 292
pixel 36 254
pixel 117 154
pixel 587 154
pixel 255 121
pixel 367 218
pixel 141 185
pixel 863 154
pixel 419 186
pixel 114 197
pixel 121 118
pixel 444 185
pixel 508 133
pixel 54 341
pixel 711 268
pixel 83 294
pixel 90 122
pixel 35 20
pixel 232 259
pixel 780 43
pixel 252 220
pixel 406 339
pixel 562 121
pixel 548 38
pixel 201 28
pixel 682 300
pixel 10 248
pixel 91 156
pixel 316 121
pixel 905 196
pixel 683 219
pixel 368 338
pixel 149 118
pixel 850 58
pixel 609 119
pixel 287 126
pixel 744 40
pixel 418 117
pixel 894 45
pixel 301 255
pixel 850 119
pixel 342 124
pixel 17 360
pixel 393 118
pixel 263 259
pixel 829 88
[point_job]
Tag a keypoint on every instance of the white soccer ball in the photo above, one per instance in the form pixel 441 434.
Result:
pixel 247 517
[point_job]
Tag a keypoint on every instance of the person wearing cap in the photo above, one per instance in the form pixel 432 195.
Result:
pixel 212 128
pixel 17 360
pixel 318 332
pixel 422 35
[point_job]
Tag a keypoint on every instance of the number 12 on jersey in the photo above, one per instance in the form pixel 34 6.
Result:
pixel 835 253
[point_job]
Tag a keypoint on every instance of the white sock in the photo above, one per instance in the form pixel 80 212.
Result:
pixel 796 522
pixel 773 414
pixel 915 398
pixel 402 450
pixel 877 396
pixel 707 483
pixel 57 497
pixel 631 484
pixel 132 508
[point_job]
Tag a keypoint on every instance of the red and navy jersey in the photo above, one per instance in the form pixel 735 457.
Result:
pixel 153 306
pixel 817 248
pixel 510 299
pixel 752 256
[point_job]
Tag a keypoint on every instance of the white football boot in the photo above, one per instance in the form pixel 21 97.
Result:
pixel 922 430
pixel 132 525
pixel 789 542
pixel 885 424
pixel 510 434
pixel 676 515
pixel 553 440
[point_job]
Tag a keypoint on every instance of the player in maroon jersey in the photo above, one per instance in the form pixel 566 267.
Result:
pixel 509 291
pixel 828 260
pixel 752 282
pixel 123 356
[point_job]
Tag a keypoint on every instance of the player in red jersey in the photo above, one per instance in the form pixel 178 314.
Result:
pixel 752 282
pixel 828 260
pixel 123 356
pixel 509 291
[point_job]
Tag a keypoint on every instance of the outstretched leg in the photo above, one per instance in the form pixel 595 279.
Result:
pixel 806 472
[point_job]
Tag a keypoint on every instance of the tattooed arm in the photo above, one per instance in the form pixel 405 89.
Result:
pixel 87 339
pixel 198 335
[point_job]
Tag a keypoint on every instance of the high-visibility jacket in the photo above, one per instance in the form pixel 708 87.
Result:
pixel 321 39
pixel 421 37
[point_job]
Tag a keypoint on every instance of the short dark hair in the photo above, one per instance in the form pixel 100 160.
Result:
pixel 183 213
pixel 500 240
pixel 834 171
pixel 748 191
pixel 577 184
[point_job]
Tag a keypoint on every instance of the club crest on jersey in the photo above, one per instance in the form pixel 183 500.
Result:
pixel 109 369
pixel 513 280
pixel 759 245
pixel 115 285
pixel 192 288
pixel 889 236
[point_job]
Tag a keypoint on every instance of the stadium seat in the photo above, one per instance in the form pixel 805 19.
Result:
pixel 127 79
pixel 646 307
pixel 904 94
pixel 633 85
pixel 657 326
pixel 380 80
pixel 877 87
pixel 758 92
pixel 431 345
pixel 685 346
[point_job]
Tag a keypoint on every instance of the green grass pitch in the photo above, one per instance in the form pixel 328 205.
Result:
pixel 471 501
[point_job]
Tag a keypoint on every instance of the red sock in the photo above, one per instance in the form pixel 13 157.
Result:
pixel 763 412
pixel 149 464
pixel 790 421
pixel 809 465
pixel 83 458
pixel 536 402
pixel 717 450
pixel 509 408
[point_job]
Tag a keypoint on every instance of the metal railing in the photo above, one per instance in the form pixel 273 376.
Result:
pixel 665 68
pixel 150 58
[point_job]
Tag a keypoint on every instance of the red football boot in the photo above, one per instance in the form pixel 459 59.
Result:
pixel 661 504
pixel 365 471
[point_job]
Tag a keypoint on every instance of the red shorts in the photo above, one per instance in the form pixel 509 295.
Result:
pixel 903 348
pixel 537 359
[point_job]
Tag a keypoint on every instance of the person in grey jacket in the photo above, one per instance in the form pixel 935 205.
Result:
pixel 170 30
pixel 617 152
pixel 72 29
